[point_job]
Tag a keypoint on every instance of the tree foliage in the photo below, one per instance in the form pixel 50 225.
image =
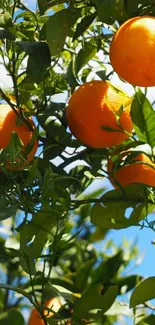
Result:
pixel 51 221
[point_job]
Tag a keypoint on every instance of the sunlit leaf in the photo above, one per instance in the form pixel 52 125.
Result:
pixel 143 292
pixel 143 117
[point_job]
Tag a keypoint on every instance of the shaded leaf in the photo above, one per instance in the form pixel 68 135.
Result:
pixel 58 27
pixel 147 320
pixel 84 55
pixel 129 282
pixel 131 6
pixel 83 25
pixel 4 33
pixel 11 317
pixel 82 275
pixel 110 214
pixel 107 269
pixel 7 210
pixel 33 236
pixel 96 297
pixel 110 10
pixel 39 58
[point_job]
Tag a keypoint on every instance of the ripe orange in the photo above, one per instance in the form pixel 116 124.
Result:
pixel 35 317
pixel 132 51
pixel 94 115
pixel 8 124
pixel 139 170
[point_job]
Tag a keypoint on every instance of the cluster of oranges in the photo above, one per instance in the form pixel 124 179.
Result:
pixel 99 115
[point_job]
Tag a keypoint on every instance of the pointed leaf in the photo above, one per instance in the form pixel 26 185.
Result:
pixel 83 25
pixel 33 236
pixel 108 269
pixel 143 117
pixel 84 55
pixel 82 274
pixel 39 58
pixel 58 28
pixel 96 297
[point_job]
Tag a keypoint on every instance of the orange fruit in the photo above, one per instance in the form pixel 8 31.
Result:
pixel 8 124
pixel 35 317
pixel 139 169
pixel 132 51
pixel 94 115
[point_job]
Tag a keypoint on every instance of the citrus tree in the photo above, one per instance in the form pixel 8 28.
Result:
pixel 63 125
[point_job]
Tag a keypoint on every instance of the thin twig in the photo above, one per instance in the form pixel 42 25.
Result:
pixel 16 111
pixel 148 305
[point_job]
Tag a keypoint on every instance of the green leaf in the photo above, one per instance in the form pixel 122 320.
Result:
pixel 54 128
pixel 82 274
pixel 33 236
pixel 48 184
pixel 11 317
pixel 131 6
pixel 83 25
pixel 110 214
pixel 108 269
pixel 143 117
pixel 5 20
pixel 43 5
pixel 147 320
pixel 46 4
pixel 96 297
pixel 5 34
pixel 141 211
pixel 110 10
pixel 7 210
pixel 39 58
pixel 58 27
pixel 128 282
pixel 144 291
pixel 84 55
pixel 27 15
